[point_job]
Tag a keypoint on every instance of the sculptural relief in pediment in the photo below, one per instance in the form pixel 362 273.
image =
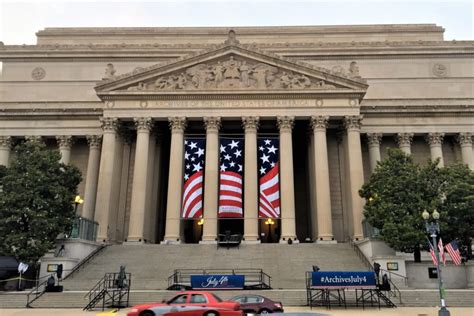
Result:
pixel 233 74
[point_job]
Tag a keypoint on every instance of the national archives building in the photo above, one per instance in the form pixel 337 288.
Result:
pixel 123 105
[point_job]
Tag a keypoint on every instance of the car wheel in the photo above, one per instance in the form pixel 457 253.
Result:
pixel 211 313
pixel 147 313
pixel 264 311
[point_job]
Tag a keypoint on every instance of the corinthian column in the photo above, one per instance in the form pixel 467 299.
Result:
pixel 404 142
pixel 211 179
pixel 250 125
pixel 435 140
pixel 175 180
pixel 103 208
pixel 321 174
pixel 65 145
pixel 356 172
pixel 5 149
pixel 374 140
pixel 136 227
pixel 465 141
pixel 288 220
pixel 90 191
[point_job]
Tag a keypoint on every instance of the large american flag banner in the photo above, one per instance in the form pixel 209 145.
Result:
pixel 193 177
pixel 269 177
pixel 231 177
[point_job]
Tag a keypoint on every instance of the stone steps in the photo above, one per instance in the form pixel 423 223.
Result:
pixel 151 265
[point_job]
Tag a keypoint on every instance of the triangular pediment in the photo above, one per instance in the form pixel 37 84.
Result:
pixel 231 69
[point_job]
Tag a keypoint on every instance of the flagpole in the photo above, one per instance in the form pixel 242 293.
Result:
pixel 433 229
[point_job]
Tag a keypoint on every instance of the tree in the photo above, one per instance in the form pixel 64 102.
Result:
pixel 459 205
pixel 397 193
pixel 36 203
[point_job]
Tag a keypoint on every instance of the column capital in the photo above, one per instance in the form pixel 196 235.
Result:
pixel 143 123
pixel 94 141
pixel 404 139
pixel 6 141
pixel 177 123
pixel 65 141
pixel 212 123
pixel 353 122
pixel 319 122
pixel 285 123
pixel 435 138
pixel 109 124
pixel 374 139
pixel 34 138
pixel 464 139
pixel 250 122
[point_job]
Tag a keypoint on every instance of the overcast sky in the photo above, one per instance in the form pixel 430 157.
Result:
pixel 19 20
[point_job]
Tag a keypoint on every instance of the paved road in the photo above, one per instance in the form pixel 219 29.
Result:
pixel 404 311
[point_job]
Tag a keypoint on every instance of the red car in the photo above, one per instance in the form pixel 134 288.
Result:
pixel 203 311
pixel 257 304
pixel 182 301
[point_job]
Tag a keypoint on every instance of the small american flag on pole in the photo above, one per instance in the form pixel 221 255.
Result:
pixel 231 176
pixel 269 178
pixel 433 254
pixel 193 177
pixel 453 249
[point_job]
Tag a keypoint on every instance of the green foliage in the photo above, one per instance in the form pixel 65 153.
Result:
pixel 397 193
pixel 36 203
pixel 459 204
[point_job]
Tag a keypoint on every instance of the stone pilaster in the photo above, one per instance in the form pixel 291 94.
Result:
pixel 465 141
pixel 65 145
pixel 150 210
pixel 374 140
pixel 105 185
pixel 175 180
pixel 287 190
pixel 435 140
pixel 211 179
pixel 404 141
pixel 5 150
pixel 136 227
pixel 321 174
pixel 250 125
pixel 356 172
pixel 92 175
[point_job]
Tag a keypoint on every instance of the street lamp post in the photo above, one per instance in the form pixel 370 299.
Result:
pixel 200 223
pixel 432 228
pixel 78 200
pixel 269 222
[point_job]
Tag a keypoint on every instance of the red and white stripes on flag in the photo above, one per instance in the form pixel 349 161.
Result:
pixel 193 177
pixel 442 255
pixel 453 249
pixel 231 178
pixel 269 177
pixel 433 254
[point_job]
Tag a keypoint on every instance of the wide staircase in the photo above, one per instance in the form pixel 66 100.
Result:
pixel 151 265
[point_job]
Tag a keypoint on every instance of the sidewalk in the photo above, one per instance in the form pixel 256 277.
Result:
pixel 404 311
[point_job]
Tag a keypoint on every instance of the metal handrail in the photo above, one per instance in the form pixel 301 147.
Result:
pixel 361 255
pixel 85 260
pixel 36 293
pixel 405 279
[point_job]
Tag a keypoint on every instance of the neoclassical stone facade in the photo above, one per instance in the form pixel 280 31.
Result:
pixel 119 102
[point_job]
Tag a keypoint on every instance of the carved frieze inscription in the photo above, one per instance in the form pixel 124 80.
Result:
pixel 232 73
pixel 236 103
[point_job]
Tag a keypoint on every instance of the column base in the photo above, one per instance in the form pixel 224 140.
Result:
pixel 357 238
pixel 134 242
pixel 250 238
pixel 251 242
pixel 170 242
pixel 326 242
pixel 207 242
pixel 287 239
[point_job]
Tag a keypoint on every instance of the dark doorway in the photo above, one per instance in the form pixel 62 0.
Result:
pixel 269 230
pixel 192 231
pixel 234 225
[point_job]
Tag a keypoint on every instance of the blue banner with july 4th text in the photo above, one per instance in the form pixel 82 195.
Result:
pixel 217 282
pixel 343 279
